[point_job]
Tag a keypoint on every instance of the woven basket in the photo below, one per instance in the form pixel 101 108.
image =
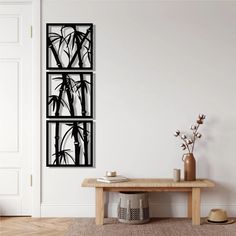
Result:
pixel 133 208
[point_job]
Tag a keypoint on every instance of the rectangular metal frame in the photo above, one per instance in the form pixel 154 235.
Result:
pixel 91 94
pixel 48 67
pixel 48 164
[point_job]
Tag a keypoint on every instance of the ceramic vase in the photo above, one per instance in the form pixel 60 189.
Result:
pixel 189 167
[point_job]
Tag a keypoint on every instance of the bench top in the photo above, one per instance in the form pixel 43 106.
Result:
pixel 150 183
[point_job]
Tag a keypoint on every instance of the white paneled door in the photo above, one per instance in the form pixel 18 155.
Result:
pixel 15 109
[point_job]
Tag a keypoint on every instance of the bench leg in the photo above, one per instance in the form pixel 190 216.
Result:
pixel 99 206
pixel 196 200
pixel 190 204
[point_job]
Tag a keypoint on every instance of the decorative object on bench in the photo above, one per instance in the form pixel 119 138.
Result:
pixel 189 144
pixel 112 179
pixel 133 207
pixel 176 175
pixel 111 173
pixel 218 216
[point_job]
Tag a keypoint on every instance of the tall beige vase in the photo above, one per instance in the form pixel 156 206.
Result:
pixel 189 167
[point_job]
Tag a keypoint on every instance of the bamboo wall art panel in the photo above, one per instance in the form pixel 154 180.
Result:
pixel 70 46
pixel 70 95
pixel 70 143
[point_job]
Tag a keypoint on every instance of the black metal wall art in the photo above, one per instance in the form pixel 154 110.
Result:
pixel 70 46
pixel 69 143
pixel 69 95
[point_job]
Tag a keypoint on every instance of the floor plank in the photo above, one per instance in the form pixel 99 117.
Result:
pixel 27 226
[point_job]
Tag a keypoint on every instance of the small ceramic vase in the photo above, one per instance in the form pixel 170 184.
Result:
pixel 176 175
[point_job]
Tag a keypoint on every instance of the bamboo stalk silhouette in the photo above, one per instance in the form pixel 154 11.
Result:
pixel 67 87
pixel 79 46
pixel 57 127
pixel 75 129
pixel 75 134
pixel 50 45
pixel 83 103
pixel 69 92
pixel 61 91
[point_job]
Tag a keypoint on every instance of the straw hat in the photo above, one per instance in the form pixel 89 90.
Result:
pixel 218 216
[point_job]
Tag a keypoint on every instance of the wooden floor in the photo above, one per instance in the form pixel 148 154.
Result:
pixel 27 226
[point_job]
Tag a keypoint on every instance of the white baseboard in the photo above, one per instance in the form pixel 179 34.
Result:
pixel 156 210
pixel 67 210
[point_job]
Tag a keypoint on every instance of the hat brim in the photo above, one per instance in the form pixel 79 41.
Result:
pixel 230 221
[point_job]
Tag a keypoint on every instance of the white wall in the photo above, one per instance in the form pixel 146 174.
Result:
pixel 158 65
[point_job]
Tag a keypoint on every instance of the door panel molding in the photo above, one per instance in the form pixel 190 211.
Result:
pixel 5 38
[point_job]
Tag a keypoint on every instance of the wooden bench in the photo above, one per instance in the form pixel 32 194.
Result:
pixel 152 185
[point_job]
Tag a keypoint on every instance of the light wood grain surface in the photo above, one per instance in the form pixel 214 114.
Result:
pixel 155 183
pixel 27 226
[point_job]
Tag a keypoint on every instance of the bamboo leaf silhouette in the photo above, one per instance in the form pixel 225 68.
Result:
pixel 54 37
pixel 64 136
pixel 79 128
pixel 68 41
pixel 67 53
pixel 54 99
pixel 60 43
pixel 59 85
pixel 57 37
pixel 73 41
pixel 62 156
pixel 54 40
pixel 85 87
pixel 80 134
pixel 79 35
pixel 58 78
pixel 89 57
pixel 82 85
pixel 85 55
pixel 87 48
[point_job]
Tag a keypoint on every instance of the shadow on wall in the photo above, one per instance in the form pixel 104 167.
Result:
pixel 222 193
pixel 106 204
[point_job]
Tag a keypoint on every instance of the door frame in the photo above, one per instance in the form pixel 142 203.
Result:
pixel 36 101
pixel 36 108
